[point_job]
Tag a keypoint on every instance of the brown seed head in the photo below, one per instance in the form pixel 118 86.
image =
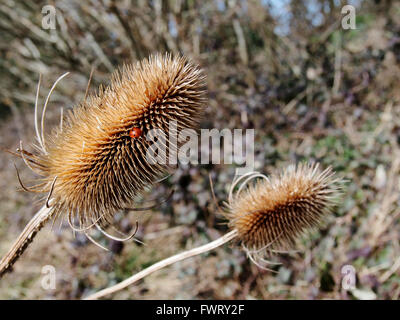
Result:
pixel 98 158
pixel 276 210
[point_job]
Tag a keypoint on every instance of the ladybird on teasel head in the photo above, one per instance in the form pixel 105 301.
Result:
pixel 95 163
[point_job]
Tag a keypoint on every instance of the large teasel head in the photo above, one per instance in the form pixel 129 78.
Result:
pixel 273 212
pixel 96 162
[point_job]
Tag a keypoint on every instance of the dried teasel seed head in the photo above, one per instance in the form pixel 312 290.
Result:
pixel 275 211
pixel 96 162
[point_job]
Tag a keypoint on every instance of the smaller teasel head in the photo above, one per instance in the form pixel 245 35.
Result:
pixel 275 211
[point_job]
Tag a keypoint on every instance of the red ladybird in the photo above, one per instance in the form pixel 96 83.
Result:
pixel 135 133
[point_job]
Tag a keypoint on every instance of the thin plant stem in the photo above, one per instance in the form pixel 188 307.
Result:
pixel 25 238
pixel 164 263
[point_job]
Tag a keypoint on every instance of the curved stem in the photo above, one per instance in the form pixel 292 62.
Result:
pixel 164 263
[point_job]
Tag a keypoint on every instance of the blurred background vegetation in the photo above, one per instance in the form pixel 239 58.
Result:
pixel 310 89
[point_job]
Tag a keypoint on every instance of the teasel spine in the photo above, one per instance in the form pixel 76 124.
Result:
pixel 46 213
